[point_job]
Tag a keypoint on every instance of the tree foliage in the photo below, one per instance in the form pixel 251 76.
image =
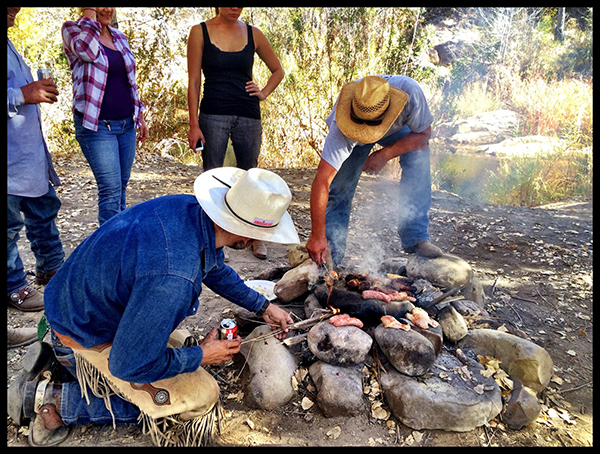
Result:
pixel 321 48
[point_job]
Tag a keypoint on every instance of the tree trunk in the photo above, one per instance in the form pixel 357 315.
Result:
pixel 559 31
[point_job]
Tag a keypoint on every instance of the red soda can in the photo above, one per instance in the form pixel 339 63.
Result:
pixel 228 329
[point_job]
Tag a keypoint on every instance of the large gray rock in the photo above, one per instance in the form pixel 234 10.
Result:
pixel 339 345
pixel 339 389
pixel 452 397
pixel 409 352
pixel 446 271
pixel 270 366
pixel 520 358
pixel 474 292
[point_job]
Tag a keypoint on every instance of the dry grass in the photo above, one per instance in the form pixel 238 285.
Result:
pixel 557 108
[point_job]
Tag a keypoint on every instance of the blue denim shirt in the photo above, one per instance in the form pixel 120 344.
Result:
pixel 134 280
pixel 29 165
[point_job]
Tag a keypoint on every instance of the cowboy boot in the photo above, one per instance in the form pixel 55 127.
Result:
pixel 46 427
pixel 425 249
pixel 259 249
pixel 39 358
pixel 19 337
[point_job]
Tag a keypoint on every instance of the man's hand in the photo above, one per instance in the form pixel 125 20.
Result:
pixel 40 91
pixel 215 351
pixel 277 317
pixel 317 249
pixel 376 161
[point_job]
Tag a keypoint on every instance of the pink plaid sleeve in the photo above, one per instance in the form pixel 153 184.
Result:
pixel 89 68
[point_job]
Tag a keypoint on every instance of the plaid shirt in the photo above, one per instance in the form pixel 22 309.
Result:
pixel 89 68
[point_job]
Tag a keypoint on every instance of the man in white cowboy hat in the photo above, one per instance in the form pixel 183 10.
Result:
pixel 392 112
pixel 114 305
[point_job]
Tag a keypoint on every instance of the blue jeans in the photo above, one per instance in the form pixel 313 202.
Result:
pixel 246 137
pixel 75 409
pixel 414 201
pixel 38 215
pixel 109 152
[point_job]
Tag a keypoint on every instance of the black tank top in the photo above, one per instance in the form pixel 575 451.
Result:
pixel 225 77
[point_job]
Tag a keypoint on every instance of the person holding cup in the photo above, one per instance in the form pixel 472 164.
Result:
pixel 31 199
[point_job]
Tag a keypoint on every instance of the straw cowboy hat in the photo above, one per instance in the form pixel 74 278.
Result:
pixel 250 203
pixel 367 108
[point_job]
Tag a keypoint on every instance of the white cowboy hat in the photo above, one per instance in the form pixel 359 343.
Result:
pixel 367 108
pixel 250 203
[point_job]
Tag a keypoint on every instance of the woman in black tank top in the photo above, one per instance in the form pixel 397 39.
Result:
pixel 223 49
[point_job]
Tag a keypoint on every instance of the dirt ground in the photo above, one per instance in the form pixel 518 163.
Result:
pixel 534 263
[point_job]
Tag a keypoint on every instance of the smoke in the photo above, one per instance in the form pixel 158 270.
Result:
pixel 373 232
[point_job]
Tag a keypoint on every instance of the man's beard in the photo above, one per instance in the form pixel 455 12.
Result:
pixel 240 245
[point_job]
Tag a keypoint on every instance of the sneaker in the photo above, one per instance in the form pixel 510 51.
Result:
pixel 20 337
pixel 425 249
pixel 43 277
pixel 259 249
pixel 27 299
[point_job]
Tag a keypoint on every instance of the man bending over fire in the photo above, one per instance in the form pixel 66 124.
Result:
pixel 114 306
pixel 392 112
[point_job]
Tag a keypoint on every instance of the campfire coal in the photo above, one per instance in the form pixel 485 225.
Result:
pixel 369 298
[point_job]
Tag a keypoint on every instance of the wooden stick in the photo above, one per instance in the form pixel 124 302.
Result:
pixel 309 322
pixel 294 340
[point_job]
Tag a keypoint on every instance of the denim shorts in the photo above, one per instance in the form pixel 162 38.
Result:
pixel 245 134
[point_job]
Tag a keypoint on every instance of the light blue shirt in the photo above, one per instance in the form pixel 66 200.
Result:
pixel 415 115
pixel 29 165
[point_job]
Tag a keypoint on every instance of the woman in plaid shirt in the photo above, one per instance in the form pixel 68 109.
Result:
pixel 106 105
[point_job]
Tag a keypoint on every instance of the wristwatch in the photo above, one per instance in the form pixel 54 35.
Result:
pixel 263 309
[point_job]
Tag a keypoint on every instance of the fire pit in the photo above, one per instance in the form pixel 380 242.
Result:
pixel 389 324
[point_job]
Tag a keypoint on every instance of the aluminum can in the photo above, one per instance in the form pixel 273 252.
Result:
pixel 228 329
pixel 44 74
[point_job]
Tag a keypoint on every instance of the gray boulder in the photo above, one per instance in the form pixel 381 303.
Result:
pixel 409 352
pixel 445 272
pixel 521 409
pixel 453 324
pixel 520 358
pixel 267 377
pixel 339 389
pixel 452 397
pixel 339 345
